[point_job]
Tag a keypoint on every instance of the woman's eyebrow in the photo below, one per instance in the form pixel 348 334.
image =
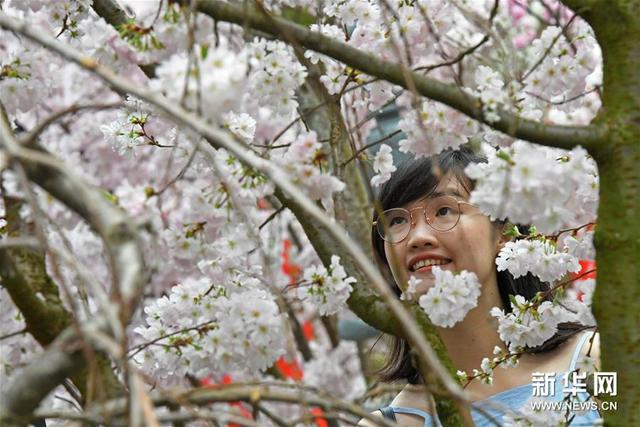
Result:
pixel 450 192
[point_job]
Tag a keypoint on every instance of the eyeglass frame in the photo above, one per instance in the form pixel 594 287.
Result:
pixel 426 219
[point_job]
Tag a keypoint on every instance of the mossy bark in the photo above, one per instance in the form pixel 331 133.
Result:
pixel 617 27
pixel 37 297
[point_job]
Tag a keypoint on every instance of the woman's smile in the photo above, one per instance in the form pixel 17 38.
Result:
pixel 424 262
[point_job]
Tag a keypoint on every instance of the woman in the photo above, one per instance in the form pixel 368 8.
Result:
pixel 470 241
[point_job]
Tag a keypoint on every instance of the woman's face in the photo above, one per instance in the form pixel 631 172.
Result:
pixel 471 245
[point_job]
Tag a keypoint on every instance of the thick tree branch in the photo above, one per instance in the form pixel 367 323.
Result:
pixel 29 387
pixel 121 239
pixel 110 11
pixel 554 136
pixel 584 8
pixel 250 393
pixel 172 418
pixel 25 278
pixel 220 139
pixel 112 224
pixel 31 289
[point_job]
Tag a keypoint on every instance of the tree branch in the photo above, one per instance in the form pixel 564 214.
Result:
pixel 551 135
pixel 112 224
pixel 584 8
pixel 24 276
pixel 34 293
pixel 27 389
pixel 250 393
pixel 120 236
pixel 110 11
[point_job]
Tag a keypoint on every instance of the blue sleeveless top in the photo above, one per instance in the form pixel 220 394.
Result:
pixel 488 411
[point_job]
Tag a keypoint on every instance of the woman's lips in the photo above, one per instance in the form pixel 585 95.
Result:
pixel 428 268
pixel 425 269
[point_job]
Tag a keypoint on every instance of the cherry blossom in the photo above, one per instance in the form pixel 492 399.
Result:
pixel 382 166
pixel 327 289
pixel 451 297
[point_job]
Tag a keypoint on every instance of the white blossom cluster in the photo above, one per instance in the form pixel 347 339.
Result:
pixel 490 91
pixel 539 257
pixel 484 374
pixel 353 13
pixel 383 166
pixel 336 371
pixel 168 32
pixel 275 76
pixel 434 127
pixel 202 327
pixel 241 125
pixel 137 125
pixel 24 71
pixel 580 246
pixel 410 293
pixel 451 297
pixel 531 184
pixel 213 85
pixel 305 160
pixel 335 75
pixel 528 324
pixel 326 289
pixel 566 74
pixel 239 185
pixel 62 12
pixel 502 358
pixel 578 299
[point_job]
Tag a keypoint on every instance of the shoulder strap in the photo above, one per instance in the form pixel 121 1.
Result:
pixel 576 351
pixel 388 413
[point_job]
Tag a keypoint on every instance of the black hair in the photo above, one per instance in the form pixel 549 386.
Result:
pixel 412 180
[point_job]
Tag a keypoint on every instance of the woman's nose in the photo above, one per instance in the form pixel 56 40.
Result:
pixel 421 233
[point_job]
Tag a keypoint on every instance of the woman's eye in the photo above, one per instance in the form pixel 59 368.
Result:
pixel 445 210
pixel 397 221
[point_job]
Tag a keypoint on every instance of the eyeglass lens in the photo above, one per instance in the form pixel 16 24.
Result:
pixel 441 213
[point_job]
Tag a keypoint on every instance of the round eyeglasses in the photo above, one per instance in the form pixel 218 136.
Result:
pixel 441 213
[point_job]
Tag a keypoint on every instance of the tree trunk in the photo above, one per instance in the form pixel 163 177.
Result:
pixel 617 27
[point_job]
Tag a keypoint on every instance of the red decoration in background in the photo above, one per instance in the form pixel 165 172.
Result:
pixel 289 268
pixel 587 265
pixel 307 330
pixel 207 382
pixel 292 369
pixel 588 271
pixel 320 422
pixel 289 369
pixel 262 203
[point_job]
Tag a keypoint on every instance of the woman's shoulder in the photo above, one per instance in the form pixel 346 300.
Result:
pixel 414 397
pixel 369 423
pixel 588 355
pixel 571 353
pixel 584 344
